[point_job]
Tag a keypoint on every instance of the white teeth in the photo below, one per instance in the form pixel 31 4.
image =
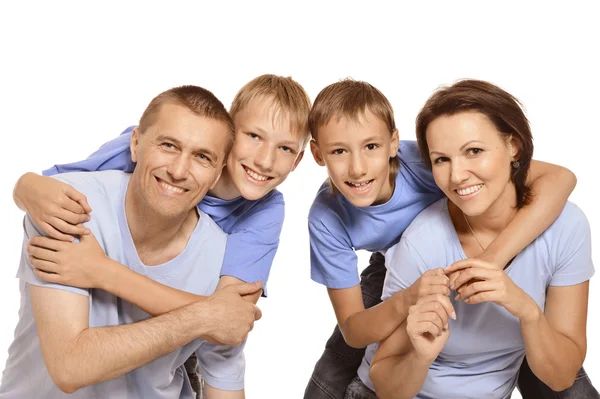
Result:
pixel 171 188
pixel 469 190
pixel 360 186
pixel 255 175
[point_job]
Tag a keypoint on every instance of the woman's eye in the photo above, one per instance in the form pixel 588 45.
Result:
pixel 440 160
pixel 474 151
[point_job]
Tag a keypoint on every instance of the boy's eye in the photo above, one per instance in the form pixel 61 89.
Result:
pixel 253 136
pixel 371 146
pixel 338 151
pixel 474 151
pixel 286 148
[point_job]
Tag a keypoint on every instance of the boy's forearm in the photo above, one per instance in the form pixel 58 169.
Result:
pixel 100 354
pixel 550 194
pixel 150 296
pixel 377 323
pixel 410 370
pixel 17 190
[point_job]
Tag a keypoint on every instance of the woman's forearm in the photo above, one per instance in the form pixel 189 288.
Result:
pixel 554 358
pixel 152 297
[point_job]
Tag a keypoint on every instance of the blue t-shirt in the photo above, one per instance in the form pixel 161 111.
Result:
pixel 253 226
pixel 485 350
pixel 337 228
pixel 196 270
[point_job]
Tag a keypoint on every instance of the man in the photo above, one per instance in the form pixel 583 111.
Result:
pixel 92 344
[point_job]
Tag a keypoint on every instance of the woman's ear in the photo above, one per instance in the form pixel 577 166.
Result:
pixel 514 146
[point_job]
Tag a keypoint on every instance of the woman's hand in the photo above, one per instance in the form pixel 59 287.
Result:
pixel 55 207
pixel 75 264
pixel 481 281
pixel 430 283
pixel 427 325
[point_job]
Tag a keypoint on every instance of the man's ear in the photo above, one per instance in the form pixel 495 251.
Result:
pixel 298 159
pixel 134 143
pixel 395 143
pixel 314 148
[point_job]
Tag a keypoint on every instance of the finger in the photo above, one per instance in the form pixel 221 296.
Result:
pixel 49 277
pixel 427 327
pixel 257 313
pixel 42 253
pixel 67 228
pixel 468 263
pixel 487 296
pixel 437 289
pixel 437 280
pixel 43 265
pixel 52 232
pixel 436 314
pixel 477 287
pixel 453 276
pixel 79 198
pixel 72 217
pixel 246 288
pixel 442 300
pixel 46 242
pixel 475 273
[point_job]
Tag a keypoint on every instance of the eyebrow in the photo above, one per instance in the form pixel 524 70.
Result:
pixel 368 139
pixel 289 143
pixel 461 148
pixel 200 150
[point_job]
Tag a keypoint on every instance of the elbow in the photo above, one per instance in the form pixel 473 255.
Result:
pixel 570 178
pixel 560 383
pixel 353 342
pixel 64 379
pixel 382 388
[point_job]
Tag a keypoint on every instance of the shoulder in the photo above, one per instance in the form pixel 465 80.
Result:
pixel 428 224
pixel 570 224
pixel 210 228
pixel 409 152
pixel 90 182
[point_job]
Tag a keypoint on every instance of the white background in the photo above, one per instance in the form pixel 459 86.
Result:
pixel 74 75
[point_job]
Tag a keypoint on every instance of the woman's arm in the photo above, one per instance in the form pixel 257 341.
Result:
pixel 555 341
pixel 551 186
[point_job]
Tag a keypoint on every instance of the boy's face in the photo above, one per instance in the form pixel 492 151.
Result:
pixel 356 154
pixel 264 151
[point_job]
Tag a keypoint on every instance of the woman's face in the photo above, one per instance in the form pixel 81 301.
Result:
pixel 471 162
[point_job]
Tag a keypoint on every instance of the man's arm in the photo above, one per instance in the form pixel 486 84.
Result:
pixel 551 186
pixel 77 355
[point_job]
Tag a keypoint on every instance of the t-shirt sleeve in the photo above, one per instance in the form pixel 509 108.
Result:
pixel 404 266
pixel 222 367
pixel 574 250
pixel 253 243
pixel 416 171
pixel 333 262
pixel 113 155
pixel 26 269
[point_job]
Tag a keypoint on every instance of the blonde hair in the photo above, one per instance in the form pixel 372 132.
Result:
pixel 287 97
pixel 350 98
pixel 196 99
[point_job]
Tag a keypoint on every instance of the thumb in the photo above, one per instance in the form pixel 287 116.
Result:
pixel 246 288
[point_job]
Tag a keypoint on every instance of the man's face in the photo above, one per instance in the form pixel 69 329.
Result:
pixel 179 158
pixel 265 149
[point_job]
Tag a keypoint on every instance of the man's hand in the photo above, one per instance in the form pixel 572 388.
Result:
pixel 232 317
pixel 427 325
pixel 430 283
pixel 55 207
pixel 74 264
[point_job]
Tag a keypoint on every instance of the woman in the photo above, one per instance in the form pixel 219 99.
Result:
pixel 479 145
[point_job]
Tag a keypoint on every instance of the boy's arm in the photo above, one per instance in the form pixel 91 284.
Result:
pixel 214 393
pixel 551 186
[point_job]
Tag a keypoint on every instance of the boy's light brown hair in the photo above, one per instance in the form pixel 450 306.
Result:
pixel 350 98
pixel 288 99
pixel 196 99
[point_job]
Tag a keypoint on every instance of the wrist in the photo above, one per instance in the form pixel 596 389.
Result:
pixel 403 300
pixel 531 313
pixel 420 360
pixel 106 274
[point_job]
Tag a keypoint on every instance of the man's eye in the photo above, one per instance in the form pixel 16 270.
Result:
pixel 167 146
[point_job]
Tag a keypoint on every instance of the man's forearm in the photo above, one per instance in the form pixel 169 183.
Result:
pixel 102 353
pixel 550 194
pixel 377 323
pixel 409 366
pixel 553 358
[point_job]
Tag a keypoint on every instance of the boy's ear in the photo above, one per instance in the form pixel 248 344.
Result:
pixel 298 159
pixel 314 148
pixel 134 143
pixel 395 143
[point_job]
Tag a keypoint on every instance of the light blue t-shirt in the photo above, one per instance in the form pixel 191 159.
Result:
pixel 253 226
pixel 485 350
pixel 195 269
pixel 337 228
